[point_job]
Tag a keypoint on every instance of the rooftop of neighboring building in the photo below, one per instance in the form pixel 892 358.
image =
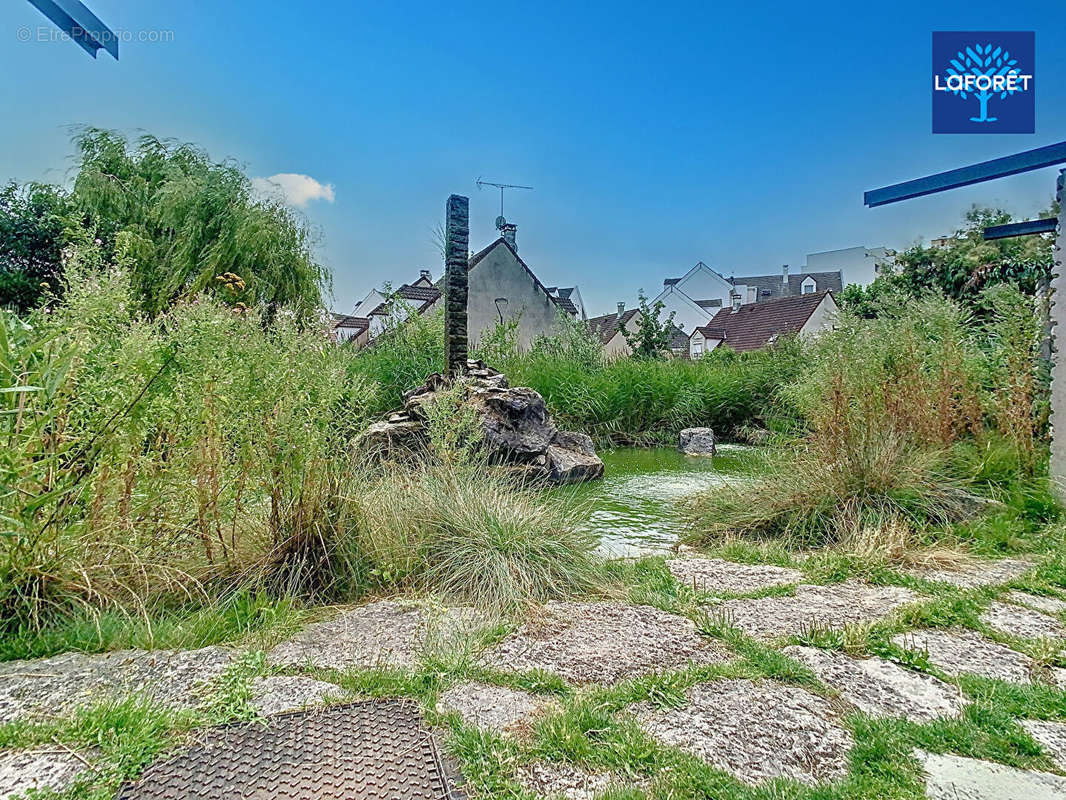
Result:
pixel 755 325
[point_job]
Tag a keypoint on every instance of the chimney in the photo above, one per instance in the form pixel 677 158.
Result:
pixel 425 273
pixel 621 310
pixel 508 232
pixel 784 277
pixel 734 298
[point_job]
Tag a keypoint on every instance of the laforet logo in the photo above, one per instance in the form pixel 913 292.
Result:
pixel 984 82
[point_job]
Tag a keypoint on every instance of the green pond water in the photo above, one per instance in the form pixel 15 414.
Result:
pixel 634 509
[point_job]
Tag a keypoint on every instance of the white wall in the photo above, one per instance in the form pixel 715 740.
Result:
pixel 823 317
pixel 858 265
pixel 499 274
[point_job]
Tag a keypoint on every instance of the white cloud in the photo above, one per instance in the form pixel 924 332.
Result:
pixel 293 188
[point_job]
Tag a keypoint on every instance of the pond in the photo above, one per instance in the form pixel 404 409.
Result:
pixel 634 509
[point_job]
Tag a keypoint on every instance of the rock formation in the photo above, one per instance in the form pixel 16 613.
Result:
pixel 516 428
pixel 697 441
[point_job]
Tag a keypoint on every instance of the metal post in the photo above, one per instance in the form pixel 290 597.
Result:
pixel 1057 466
pixel 457 243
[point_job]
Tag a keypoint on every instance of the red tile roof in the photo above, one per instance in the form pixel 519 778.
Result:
pixel 755 324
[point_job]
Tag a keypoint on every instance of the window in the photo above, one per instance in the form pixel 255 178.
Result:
pixel 809 286
pixel 697 347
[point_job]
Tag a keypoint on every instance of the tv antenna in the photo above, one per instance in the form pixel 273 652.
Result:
pixel 500 220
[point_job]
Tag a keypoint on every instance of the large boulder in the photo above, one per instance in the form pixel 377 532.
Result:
pixel 697 441
pixel 516 428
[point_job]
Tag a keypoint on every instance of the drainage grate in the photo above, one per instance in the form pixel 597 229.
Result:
pixel 375 750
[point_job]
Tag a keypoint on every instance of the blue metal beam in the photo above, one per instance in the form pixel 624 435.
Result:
pixel 964 176
pixel 1027 228
pixel 82 25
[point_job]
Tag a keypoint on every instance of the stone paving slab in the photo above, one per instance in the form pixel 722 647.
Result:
pixel 960 650
pixel 756 730
pixel 717 575
pixel 52 686
pixel 498 708
pixel 1049 605
pixel 40 769
pixel 953 777
pixel 975 574
pixel 554 780
pixel 604 642
pixel 380 634
pixel 832 606
pixel 1015 620
pixel 281 693
pixel 1052 737
pixel 880 688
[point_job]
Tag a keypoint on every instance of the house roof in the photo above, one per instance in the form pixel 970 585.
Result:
pixel 678 339
pixel 671 281
pixel 824 282
pixel 754 325
pixel 348 321
pixel 562 298
pixel 607 325
pixel 419 294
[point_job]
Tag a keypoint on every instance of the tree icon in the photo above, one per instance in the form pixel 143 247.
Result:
pixel 984 73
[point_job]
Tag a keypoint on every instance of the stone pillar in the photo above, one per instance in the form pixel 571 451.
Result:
pixel 1058 350
pixel 456 262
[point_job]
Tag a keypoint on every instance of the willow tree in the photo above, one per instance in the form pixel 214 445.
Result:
pixel 178 221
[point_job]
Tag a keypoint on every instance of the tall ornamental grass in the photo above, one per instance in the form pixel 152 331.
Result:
pixel 898 411
pixel 162 460
pixel 647 401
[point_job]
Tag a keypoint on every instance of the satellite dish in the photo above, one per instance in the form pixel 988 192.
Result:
pixel 500 222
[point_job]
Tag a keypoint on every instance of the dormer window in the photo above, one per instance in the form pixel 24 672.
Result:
pixel 809 286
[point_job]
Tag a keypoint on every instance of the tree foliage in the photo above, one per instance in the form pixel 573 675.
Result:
pixel 176 220
pixel 33 223
pixel 652 336
pixel 962 267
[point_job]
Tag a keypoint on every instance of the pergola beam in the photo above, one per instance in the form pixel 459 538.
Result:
pixel 1027 228
pixel 964 176
pixel 82 25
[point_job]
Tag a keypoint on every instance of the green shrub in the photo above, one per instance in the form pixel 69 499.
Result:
pixel 156 460
pixel 630 401
pixel 470 535
pixel 906 416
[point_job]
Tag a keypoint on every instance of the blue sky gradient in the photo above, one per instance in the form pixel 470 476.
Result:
pixel 655 136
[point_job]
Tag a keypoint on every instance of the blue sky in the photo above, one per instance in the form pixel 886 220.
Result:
pixel 655 135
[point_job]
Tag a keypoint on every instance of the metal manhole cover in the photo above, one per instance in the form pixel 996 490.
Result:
pixel 375 749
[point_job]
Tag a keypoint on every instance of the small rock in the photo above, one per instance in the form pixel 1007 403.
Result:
pixel 381 634
pixel 976 574
pixel 1049 605
pixel 278 694
pixel 1052 737
pixel 961 650
pixel 813 607
pixel 697 441
pixel 571 458
pixel 716 575
pixel 881 688
pixel 41 769
pixel 604 642
pixel 1017 621
pixel 956 778
pixel 53 686
pixel 555 780
pixel 497 708
pixel 756 730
